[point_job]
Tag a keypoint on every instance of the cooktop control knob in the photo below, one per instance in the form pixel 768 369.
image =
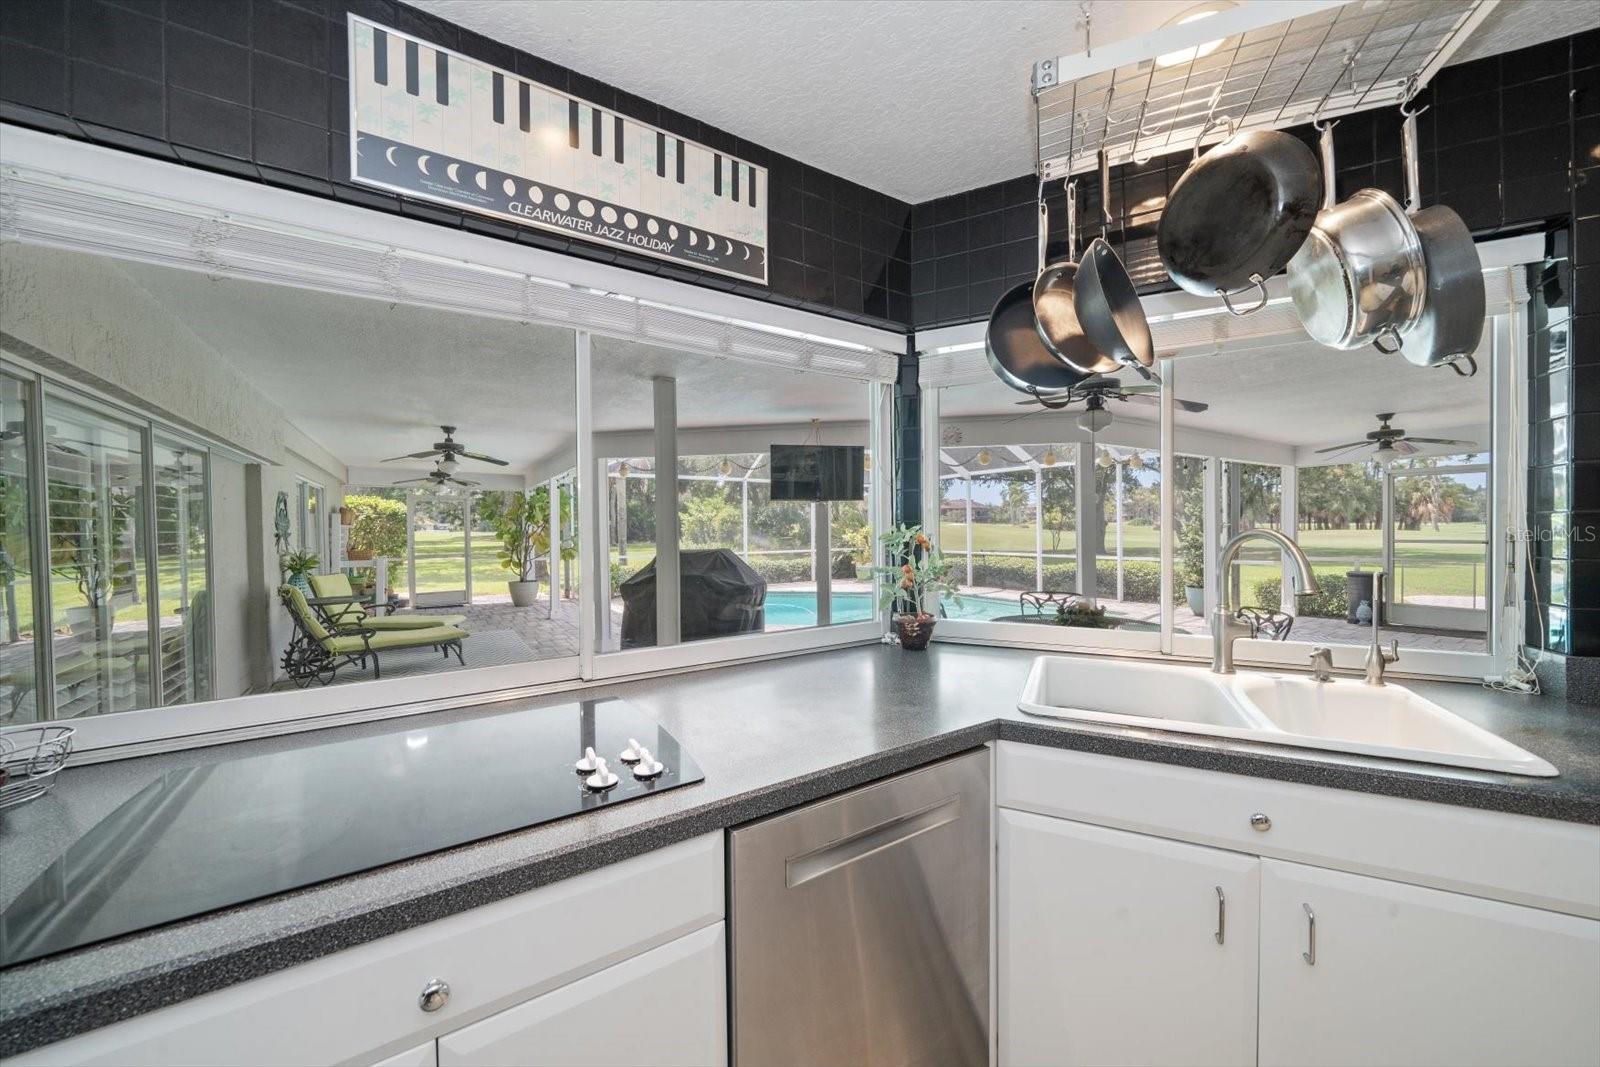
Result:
pixel 588 763
pixel 631 753
pixel 601 779
pixel 648 766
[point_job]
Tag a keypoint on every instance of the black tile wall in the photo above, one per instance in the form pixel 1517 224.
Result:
pixel 257 89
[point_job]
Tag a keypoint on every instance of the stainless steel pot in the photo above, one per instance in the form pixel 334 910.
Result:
pixel 1360 275
pixel 1108 305
pixel 1450 326
pixel 1055 298
pixel 1239 214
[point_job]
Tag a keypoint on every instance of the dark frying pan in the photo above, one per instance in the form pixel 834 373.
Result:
pixel 1055 301
pixel 1107 303
pixel 1017 353
pixel 1239 214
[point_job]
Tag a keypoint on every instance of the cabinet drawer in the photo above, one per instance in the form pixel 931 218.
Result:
pixel 361 1004
pixel 1539 862
pixel 668 1006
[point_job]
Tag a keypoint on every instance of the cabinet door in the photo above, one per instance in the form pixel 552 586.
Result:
pixel 1121 948
pixel 423 1055
pixel 1406 975
pixel 666 1006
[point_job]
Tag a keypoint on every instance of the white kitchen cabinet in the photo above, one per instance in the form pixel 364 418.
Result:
pixel 1403 974
pixel 423 1055
pixel 667 1006
pixel 1117 947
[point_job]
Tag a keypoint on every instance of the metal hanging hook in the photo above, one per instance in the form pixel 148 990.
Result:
pixel 1349 68
pixel 1408 94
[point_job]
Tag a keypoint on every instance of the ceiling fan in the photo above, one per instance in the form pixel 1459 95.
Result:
pixel 440 476
pixel 1094 391
pixel 450 452
pixel 1389 444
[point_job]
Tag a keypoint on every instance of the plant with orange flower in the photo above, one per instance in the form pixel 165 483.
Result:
pixel 916 579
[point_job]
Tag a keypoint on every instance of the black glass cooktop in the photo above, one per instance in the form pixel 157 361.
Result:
pixel 208 837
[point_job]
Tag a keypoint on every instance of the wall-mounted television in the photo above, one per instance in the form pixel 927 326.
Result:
pixel 818 472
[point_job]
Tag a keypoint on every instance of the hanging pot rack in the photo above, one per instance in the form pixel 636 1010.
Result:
pixel 1258 68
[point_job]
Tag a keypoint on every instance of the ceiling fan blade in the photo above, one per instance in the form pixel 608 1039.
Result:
pixel 1441 441
pixel 461 481
pixel 1131 389
pixel 1139 398
pixel 1146 373
pixel 485 459
pixel 412 455
pixel 408 481
pixel 1406 448
pixel 1341 448
pixel 1195 406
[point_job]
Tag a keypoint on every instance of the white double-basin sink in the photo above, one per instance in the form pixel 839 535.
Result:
pixel 1341 715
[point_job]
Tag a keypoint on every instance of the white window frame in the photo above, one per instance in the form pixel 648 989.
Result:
pixel 1505 342
pixel 48 177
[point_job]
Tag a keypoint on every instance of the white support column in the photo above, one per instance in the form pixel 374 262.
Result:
pixel 594 554
pixel 466 542
pixel 1118 488
pixel 821 562
pixel 1169 501
pixel 411 547
pixel 1038 528
pixel 969 526
pixel 1087 508
pixel 1289 526
pixel 669 619
pixel 744 517
pixel 1212 499
pixel 554 525
pixel 1233 521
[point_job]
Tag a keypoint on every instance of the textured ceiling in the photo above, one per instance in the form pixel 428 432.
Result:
pixel 914 98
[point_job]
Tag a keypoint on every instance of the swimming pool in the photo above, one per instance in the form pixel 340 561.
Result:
pixel 798 607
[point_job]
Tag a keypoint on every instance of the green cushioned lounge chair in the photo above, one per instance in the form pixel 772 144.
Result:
pixel 338 605
pixel 318 650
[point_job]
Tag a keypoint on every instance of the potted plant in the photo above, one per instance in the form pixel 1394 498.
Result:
pixel 914 587
pixel 1192 553
pixel 298 568
pixel 1084 614
pixel 523 525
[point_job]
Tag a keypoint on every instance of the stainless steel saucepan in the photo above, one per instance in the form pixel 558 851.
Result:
pixel 1450 326
pixel 1107 303
pixel 1056 299
pixel 1239 214
pixel 1360 276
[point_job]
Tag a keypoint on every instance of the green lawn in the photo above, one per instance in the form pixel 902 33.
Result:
pixel 1430 566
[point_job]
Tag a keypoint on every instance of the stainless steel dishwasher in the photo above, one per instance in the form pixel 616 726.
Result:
pixel 861 925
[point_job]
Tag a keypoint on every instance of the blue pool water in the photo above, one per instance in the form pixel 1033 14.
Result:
pixel 794 607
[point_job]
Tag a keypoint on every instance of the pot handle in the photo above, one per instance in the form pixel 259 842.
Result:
pixel 1256 282
pixel 1325 150
pixel 1391 333
pixel 1072 220
pixel 1467 358
pixel 1044 229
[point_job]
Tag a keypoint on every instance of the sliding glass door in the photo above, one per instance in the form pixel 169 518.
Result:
pixel 100 603
pixel 182 548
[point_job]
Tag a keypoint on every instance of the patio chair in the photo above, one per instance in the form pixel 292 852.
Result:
pixel 1264 623
pixel 317 651
pixel 339 605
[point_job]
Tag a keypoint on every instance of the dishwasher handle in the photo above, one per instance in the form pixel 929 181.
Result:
pixel 808 866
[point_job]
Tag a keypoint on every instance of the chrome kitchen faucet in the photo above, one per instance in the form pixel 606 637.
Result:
pixel 1225 629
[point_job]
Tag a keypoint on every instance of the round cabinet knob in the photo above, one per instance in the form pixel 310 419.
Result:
pixel 435 995
pixel 1260 822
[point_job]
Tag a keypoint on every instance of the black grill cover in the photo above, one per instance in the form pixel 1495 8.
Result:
pixel 721 595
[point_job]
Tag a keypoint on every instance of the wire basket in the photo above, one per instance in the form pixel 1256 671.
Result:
pixel 30 759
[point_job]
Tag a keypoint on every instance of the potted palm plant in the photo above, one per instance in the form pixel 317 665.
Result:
pixel 298 568
pixel 914 587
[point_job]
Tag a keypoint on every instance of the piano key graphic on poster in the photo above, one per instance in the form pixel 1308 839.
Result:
pixel 433 124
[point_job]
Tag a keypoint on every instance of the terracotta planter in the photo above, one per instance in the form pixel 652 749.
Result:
pixel 914 630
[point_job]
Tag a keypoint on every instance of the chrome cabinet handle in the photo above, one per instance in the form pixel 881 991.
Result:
pixel 1260 823
pixel 1222 916
pixel 435 995
pixel 1310 956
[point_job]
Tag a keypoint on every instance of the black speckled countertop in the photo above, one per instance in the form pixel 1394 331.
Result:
pixel 768 735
